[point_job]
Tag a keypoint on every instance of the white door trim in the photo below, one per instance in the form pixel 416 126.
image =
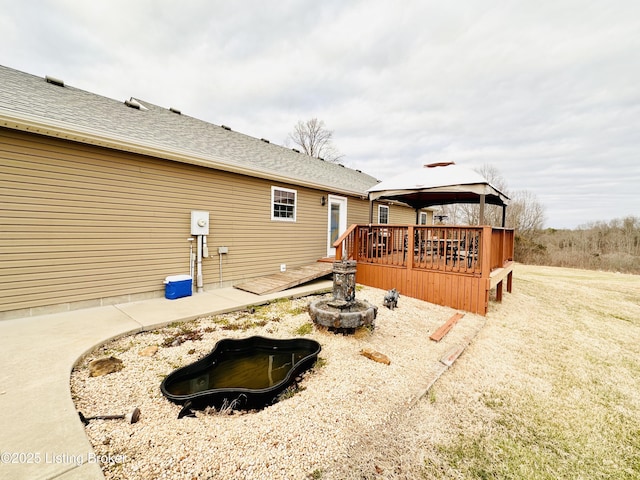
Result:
pixel 342 220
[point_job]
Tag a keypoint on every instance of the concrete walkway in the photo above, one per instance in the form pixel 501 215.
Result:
pixel 41 436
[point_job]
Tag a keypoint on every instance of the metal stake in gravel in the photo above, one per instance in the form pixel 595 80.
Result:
pixel 132 417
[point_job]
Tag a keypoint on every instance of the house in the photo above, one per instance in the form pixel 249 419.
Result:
pixel 96 196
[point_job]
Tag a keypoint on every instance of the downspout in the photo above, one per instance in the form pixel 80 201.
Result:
pixel 199 279
pixel 191 259
pixel 220 264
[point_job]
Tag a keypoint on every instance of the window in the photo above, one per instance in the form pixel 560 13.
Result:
pixel 423 218
pixel 383 214
pixel 283 204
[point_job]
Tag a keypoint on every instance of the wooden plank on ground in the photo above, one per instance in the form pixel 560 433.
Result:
pixel 284 280
pixel 452 355
pixel 444 329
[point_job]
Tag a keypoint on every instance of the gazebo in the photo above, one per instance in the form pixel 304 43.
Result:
pixel 453 265
pixel 442 183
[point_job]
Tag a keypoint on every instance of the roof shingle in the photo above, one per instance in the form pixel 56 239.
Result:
pixel 28 96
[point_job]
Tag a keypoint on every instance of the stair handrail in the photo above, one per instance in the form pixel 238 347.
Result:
pixel 341 239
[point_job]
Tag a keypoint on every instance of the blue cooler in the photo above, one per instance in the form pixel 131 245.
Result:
pixel 177 286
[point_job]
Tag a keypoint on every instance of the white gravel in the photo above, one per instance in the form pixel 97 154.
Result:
pixel 336 427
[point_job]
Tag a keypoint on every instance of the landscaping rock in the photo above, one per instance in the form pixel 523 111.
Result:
pixel 149 351
pixel 104 366
pixel 375 356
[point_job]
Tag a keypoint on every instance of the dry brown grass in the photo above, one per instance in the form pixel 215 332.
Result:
pixel 549 389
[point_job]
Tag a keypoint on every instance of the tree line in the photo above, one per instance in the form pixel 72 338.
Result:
pixel 612 246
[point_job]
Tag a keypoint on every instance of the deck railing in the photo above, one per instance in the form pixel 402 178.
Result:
pixel 448 265
pixel 443 248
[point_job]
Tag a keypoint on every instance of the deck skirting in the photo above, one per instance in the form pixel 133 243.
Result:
pixel 465 292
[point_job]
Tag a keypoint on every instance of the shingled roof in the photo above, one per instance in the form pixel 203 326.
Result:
pixel 49 107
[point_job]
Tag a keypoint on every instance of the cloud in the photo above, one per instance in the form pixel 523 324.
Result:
pixel 544 91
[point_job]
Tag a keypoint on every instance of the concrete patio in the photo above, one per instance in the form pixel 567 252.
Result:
pixel 42 436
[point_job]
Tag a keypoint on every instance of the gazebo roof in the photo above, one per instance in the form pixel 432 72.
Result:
pixel 438 184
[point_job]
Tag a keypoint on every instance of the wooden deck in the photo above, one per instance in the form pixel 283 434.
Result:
pixel 289 279
pixel 446 265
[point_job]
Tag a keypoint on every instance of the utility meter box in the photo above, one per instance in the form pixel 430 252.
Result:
pixel 178 286
pixel 199 222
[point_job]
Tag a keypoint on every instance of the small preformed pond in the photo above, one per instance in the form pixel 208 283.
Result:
pixel 246 373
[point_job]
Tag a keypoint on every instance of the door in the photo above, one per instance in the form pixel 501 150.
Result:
pixel 337 222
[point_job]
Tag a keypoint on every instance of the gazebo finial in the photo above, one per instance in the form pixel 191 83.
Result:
pixel 438 164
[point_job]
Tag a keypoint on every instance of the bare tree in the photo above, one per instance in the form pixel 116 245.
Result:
pixel 469 214
pixel 315 140
pixel 613 246
pixel 524 213
pixel 492 213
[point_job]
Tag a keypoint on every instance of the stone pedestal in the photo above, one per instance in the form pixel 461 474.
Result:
pixel 343 311
pixel 344 283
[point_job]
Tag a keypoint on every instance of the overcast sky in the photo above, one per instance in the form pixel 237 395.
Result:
pixel 545 91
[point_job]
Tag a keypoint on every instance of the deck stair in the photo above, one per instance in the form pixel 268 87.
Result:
pixel 293 277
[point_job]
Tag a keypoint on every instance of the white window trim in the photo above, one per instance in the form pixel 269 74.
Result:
pixel 425 216
pixel 295 204
pixel 380 207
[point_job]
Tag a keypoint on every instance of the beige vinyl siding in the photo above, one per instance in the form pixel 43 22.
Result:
pixel 401 214
pixel 398 214
pixel 357 211
pixel 80 223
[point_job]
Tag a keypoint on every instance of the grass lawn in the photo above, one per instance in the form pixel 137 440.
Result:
pixel 549 389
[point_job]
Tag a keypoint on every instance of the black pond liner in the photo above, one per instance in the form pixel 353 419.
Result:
pixel 242 374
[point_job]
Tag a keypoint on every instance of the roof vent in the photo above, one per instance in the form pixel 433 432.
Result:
pixel 175 110
pixel 54 81
pixel 132 103
pixel 295 150
pixel 225 127
pixel 265 140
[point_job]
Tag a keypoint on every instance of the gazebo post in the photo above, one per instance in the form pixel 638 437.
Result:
pixel 481 218
pixel 370 211
pixel 504 216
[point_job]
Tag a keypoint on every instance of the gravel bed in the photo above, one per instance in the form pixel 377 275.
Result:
pixel 337 424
